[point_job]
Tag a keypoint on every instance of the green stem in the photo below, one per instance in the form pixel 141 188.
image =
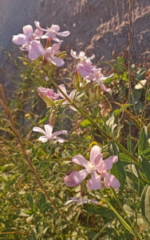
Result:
pixel 106 135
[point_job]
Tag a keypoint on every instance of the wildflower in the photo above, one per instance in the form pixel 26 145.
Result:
pixel 70 96
pixel 36 49
pixel 47 92
pixel 98 77
pixel 52 32
pixel 93 167
pixel 81 56
pixel 84 67
pixel 27 36
pixel 48 135
pixel 81 200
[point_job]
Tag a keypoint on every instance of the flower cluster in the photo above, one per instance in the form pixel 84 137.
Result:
pixel 95 173
pixel 30 42
pixel 88 71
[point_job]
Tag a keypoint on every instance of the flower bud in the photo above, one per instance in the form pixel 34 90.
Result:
pixel 91 95
pixel 52 119
pixel 47 95
pixel 77 79
pixel 98 93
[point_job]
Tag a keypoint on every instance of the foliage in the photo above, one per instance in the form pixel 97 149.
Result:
pixel 108 120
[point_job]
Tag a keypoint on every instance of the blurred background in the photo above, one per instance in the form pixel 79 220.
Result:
pixel 96 26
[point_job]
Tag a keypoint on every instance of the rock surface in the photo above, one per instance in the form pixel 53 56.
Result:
pixel 97 26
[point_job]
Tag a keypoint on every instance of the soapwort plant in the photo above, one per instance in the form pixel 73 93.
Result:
pixel 94 182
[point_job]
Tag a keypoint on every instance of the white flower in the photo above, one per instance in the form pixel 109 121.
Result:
pixel 48 135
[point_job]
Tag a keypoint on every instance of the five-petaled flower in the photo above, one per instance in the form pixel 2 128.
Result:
pixel 27 37
pixel 52 32
pixel 48 135
pixel 94 167
pixel 84 67
pixel 98 77
pixel 70 96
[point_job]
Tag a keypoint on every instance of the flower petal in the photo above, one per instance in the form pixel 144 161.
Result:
pixel 76 177
pixel 55 48
pixel 95 182
pixel 37 129
pixel 35 50
pixel 72 94
pixel 110 181
pixel 55 27
pixel 95 151
pixel 63 34
pixel 103 87
pixel 48 129
pixel 80 160
pixel 28 30
pixel 59 132
pixel 19 39
pixel 73 54
pixel 59 139
pixel 37 24
pixel 57 61
pixel 63 88
pixel 43 139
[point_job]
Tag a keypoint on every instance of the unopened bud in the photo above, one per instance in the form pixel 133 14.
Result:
pixel 52 119
pixel 98 93
pixel 48 95
pixel 91 95
pixel 77 79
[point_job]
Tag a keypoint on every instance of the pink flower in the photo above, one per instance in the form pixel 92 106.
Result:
pixel 27 36
pixel 93 167
pixel 48 93
pixel 52 32
pixel 84 67
pixel 81 56
pixel 48 135
pixel 98 77
pixel 81 200
pixel 70 96
pixel 36 49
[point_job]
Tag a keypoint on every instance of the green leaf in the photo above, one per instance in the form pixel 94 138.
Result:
pixel 145 204
pixel 148 97
pixel 143 140
pixel 129 144
pixel 32 237
pixel 119 65
pixel 124 223
pixel 140 73
pixel 125 77
pixel 116 112
pixel 146 167
pixel 85 123
pixel 125 158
